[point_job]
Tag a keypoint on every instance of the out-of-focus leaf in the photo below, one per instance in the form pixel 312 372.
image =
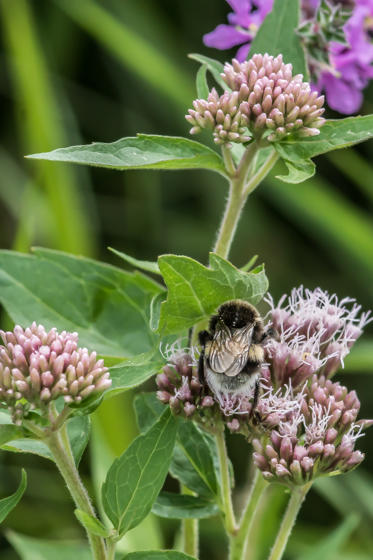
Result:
pixel 195 291
pixel 360 359
pixel 181 506
pixel 134 480
pixel 9 503
pixel 328 548
pixel 158 555
pixel 277 35
pixel 37 549
pixel 134 371
pixel 334 135
pixel 78 429
pixel 144 151
pixel 201 82
pixel 142 265
pixel 92 525
pixel 214 66
pixel 107 306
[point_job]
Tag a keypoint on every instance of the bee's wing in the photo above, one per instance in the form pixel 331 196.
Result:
pixel 229 351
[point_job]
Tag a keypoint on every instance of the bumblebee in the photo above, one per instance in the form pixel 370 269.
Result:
pixel 232 350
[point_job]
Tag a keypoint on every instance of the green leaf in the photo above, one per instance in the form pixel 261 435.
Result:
pixel 193 460
pixel 30 548
pixel 201 82
pixel 134 371
pixel 135 479
pixel 214 66
pixel 329 547
pixel 78 429
pixel 92 524
pixel 9 503
pixel 148 410
pixel 107 306
pixel 142 265
pixel 158 555
pixel 195 291
pixel 8 432
pixel 155 310
pixel 180 506
pixel 141 152
pixel 298 171
pixel 197 449
pixel 277 35
pixel 334 135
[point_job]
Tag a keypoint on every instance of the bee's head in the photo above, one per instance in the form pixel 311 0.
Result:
pixel 237 314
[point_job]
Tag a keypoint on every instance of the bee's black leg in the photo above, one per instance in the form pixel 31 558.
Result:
pixel 255 398
pixel 204 337
pixel 269 333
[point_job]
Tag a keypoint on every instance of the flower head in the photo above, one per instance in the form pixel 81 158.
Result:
pixel 266 99
pixel 317 438
pixel 37 366
pixel 315 333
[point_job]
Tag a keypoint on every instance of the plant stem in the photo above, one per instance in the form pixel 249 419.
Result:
pixel 110 549
pixel 238 542
pixel 226 491
pixel 190 537
pixel 59 446
pixel 293 507
pixel 260 174
pixel 235 203
pixel 190 530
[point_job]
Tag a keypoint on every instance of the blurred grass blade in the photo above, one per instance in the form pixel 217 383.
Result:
pixel 329 547
pixel 356 168
pixel 131 50
pixel 321 211
pixel 361 359
pixel 41 126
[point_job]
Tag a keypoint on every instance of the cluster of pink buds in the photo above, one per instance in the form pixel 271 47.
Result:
pixel 225 115
pixel 265 97
pixel 315 333
pixel 178 384
pixel 37 366
pixel 317 438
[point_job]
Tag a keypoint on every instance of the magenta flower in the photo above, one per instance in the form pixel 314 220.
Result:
pixel 244 21
pixel 350 66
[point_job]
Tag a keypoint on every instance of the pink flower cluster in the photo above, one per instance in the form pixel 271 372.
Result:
pixel 265 99
pixel 304 425
pixel 37 366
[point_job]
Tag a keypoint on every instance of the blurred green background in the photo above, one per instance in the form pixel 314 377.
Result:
pixel 76 71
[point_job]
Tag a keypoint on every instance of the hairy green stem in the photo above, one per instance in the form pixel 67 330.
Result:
pixel 262 172
pixel 235 203
pixel 296 499
pixel 225 488
pixel 238 542
pixel 111 544
pixel 60 448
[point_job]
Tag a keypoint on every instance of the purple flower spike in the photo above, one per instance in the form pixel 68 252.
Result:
pixel 37 367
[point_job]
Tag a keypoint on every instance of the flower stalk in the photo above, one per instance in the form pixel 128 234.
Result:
pixel 296 499
pixel 226 489
pixel 238 542
pixel 60 448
